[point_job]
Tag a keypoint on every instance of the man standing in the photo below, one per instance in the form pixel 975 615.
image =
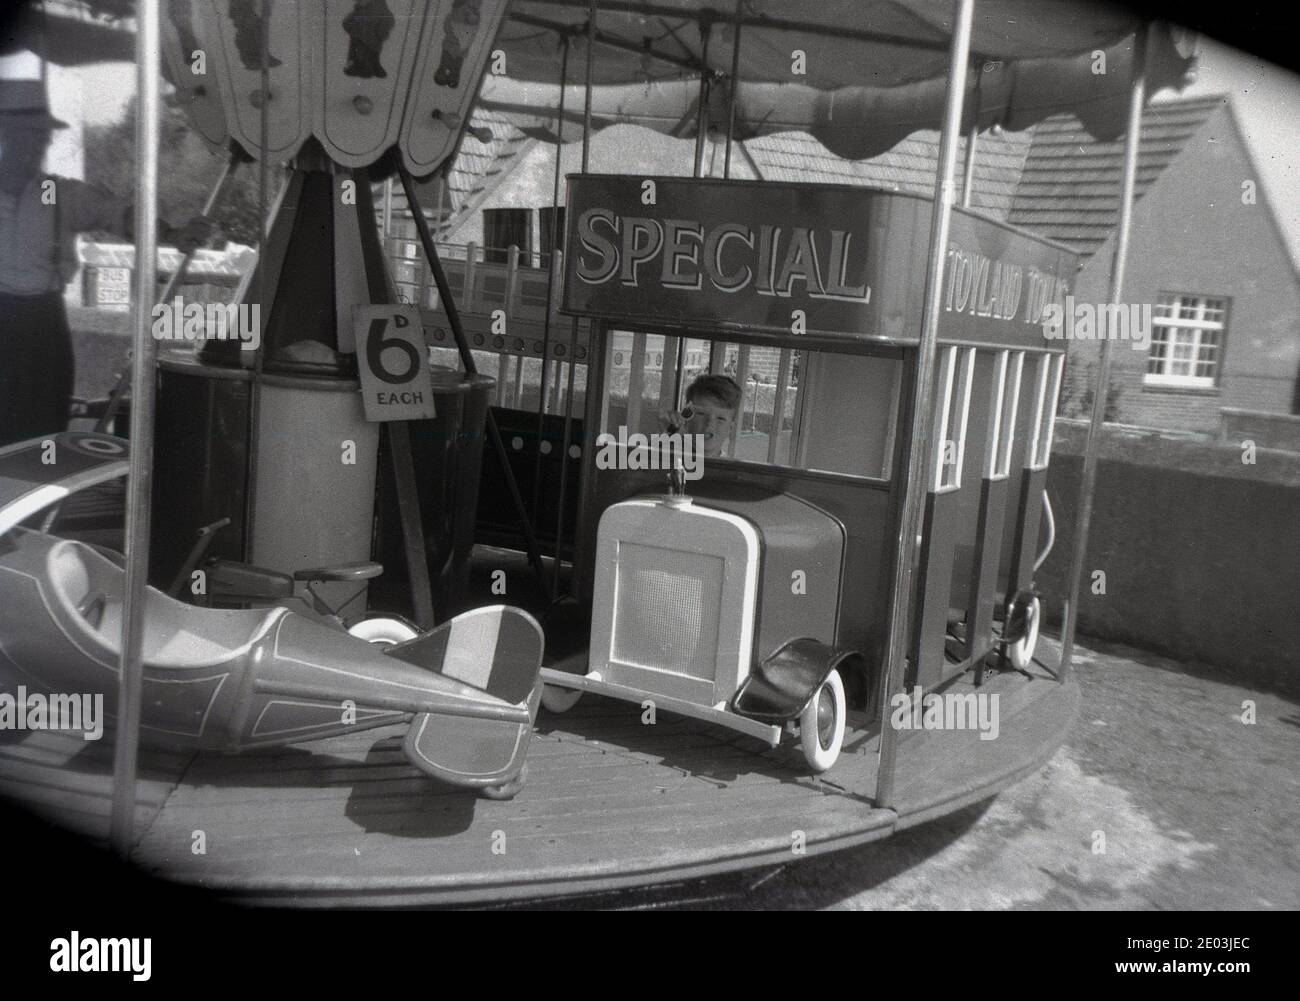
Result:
pixel 39 218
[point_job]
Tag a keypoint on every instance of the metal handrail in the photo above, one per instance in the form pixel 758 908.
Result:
pixel 1051 532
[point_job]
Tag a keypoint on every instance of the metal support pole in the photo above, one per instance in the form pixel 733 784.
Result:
pixel 471 369
pixel 586 84
pixel 968 178
pixel 1128 187
pixel 573 327
pixel 140 483
pixel 550 283
pixel 263 300
pixel 972 143
pixel 915 480
pixel 388 214
pixel 731 96
pixel 702 113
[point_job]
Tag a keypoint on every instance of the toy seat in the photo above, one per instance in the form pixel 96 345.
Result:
pixel 499 651
pixel 87 589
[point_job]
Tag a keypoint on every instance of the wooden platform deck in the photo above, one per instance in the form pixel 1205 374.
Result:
pixel 608 803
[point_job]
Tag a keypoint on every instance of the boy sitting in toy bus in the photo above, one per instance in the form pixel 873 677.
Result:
pixel 712 403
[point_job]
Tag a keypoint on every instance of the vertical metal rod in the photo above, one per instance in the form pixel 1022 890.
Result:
pixel 586 86
pixel 550 285
pixel 972 143
pixel 139 487
pixel 1128 187
pixel 388 214
pixel 731 96
pixel 915 479
pixel 264 306
pixel 573 328
pixel 702 113
pixel 471 369
pixel 778 403
pixel 968 181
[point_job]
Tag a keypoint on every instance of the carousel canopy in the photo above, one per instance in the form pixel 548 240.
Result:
pixel 859 75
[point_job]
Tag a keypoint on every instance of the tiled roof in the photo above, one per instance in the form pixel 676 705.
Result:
pixel 908 167
pixel 1054 179
pixel 480 166
pixel 1069 186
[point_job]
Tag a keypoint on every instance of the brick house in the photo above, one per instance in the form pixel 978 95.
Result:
pixel 1211 254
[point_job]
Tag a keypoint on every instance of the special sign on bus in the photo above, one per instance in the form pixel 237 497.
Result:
pixel 839 261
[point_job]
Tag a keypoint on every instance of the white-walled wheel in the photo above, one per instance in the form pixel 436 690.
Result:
pixel 1021 652
pixel 507 790
pixel 821 724
pixel 559 700
pixel 383 631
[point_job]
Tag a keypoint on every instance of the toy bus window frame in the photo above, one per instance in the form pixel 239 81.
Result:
pixel 1051 367
pixel 1007 377
pixel 956 377
pixel 641 333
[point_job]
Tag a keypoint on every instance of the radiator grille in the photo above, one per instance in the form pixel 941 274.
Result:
pixel 667 605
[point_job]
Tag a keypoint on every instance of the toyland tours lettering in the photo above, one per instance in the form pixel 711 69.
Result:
pixel 56 711
pixel 731 256
pixel 75 954
pixel 981 286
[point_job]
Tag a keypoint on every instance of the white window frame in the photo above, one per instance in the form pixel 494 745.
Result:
pixel 1050 369
pixel 1007 373
pixel 956 375
pixel 1196 326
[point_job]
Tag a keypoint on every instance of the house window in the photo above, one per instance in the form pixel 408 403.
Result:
pixel 1187 334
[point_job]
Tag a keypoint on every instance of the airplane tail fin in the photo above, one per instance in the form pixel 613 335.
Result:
pixel 497 650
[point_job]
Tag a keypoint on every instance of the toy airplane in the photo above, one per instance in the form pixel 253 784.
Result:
pixel 230 680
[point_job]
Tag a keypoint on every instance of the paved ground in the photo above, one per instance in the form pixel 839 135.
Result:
pixel 1199 811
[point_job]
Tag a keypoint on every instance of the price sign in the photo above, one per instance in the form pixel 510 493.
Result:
pixel 394 363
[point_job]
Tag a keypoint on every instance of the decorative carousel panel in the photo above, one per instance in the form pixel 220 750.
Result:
pixel 197 89
pixel 367 52
pixel 236 27
pixel 457 40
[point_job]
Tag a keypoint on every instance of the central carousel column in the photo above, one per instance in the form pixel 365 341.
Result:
pixel 270 431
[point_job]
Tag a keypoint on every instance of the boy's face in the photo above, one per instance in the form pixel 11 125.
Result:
pixel 711 418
